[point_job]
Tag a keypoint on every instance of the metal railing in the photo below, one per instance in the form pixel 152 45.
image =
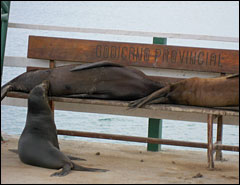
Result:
pixel 124 32
pixel 5 9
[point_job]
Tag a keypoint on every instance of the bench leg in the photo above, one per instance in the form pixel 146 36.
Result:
pixel 154 131
pixel 210 141
pixel 218 156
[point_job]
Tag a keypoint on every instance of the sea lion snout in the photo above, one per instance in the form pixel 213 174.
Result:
pixel 41 89
pixel 45 85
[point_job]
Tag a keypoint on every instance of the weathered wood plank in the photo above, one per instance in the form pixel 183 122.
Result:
pixel 159 113
pixel 133 54
pixel 166 107
pixel 210 150
pixel 10 61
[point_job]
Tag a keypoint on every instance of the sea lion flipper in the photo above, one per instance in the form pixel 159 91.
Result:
pixel 95 65
pixel 4 90
pixel 156 96
pixel 133 104
pixel 65 170
pixel 81 168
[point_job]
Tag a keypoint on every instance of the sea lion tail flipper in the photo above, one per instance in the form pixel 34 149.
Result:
pixel 151 98
pixel 81 168
pixel 135 103
pixel 4 90
pixel 159 100
pixel 65 170
pixel 95 65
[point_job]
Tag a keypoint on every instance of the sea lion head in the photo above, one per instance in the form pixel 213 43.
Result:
pixel 40 90
pixel 38 97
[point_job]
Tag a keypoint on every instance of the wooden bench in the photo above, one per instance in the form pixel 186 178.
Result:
pixel 162 63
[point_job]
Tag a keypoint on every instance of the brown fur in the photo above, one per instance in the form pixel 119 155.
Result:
pixel 207 92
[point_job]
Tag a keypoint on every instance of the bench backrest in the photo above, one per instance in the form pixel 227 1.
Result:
pixel 134 54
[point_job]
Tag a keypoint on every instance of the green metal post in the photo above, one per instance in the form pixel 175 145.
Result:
pixel 5 9
pixel 155 125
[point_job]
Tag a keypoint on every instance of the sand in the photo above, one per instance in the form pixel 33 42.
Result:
pixel 126 164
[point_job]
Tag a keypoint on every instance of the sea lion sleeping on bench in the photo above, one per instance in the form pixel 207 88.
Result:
pixel 205 92
pixel 101 80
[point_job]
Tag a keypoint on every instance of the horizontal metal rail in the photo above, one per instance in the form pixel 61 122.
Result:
pixel 123 32
pixel 145 140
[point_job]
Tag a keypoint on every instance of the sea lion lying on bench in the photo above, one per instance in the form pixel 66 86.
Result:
pixel 101 80
pixel 206 92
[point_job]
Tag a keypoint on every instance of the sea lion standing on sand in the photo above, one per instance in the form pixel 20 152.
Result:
pixel 38 144
pixel 101 80
pixel 206 92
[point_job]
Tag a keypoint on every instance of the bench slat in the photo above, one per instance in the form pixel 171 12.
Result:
pixel 166 107
pixel 133 54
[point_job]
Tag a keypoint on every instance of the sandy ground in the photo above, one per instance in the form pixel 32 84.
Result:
pixel 127 164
